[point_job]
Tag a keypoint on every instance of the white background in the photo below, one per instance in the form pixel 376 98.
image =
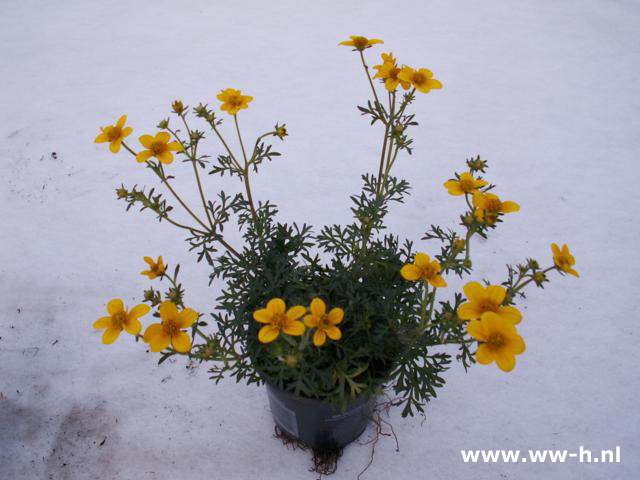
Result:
pixel 547 91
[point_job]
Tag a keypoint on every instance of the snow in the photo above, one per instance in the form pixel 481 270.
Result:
pixel 547 91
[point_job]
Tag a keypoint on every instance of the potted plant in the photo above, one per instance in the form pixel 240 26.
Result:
pixel 329 317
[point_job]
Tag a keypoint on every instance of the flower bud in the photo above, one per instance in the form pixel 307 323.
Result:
pixel 539 278
pixel 163 124
pixel 281 131
pixel 291 360
pixel 122 192
pixel 177 107
pixel 459 244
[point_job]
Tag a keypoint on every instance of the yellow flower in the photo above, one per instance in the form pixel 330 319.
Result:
pixel 488 206
pixel 465 184
pixel 360 43
pixel 486 299
pixel 563 259
pixel 422 79
pixel 233 101
pixel 158 147
pixel 389 71
pixel 324 323
pixel 159 335
pixel 156 269
pixel 499 341
pixel 120 319
pixel 423 269
pixel 114 134
pixel 278 319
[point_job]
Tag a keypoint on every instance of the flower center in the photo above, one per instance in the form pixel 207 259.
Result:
pixel 119 319
pixel 360 42
pixel 419 78
pixel 495 340
pixel 113 133
pixel 279 320
pixel 466 185
pixel 158 148
pixel 428 272
pixel 156 269
pixel 324 322
pixel 170 327
pixel 493 205
pixel 487 305
pixel 393 73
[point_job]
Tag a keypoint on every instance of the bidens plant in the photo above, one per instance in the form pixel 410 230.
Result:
pixel 333 313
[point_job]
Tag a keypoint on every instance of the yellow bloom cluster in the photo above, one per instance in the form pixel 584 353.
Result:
pixel 392 75
pixel 278 319
pixel 486 206
pixel 492 323
pixel 170 330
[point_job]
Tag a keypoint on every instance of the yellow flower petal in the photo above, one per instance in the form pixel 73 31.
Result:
pixel 517 344
pixel 144 156
pixel 163 137
pixel 115 306
pixel 165 157
pixel 114 147
pixel 505 360
pixel 181 342
pixel 410 272
pixel 318 307
pixel 101 138
pixel 484 355
pixel 294 313
pixel 510 313
pixel 263 315
pixel 477 330
pixel 508 207
pixel 319 338
pixel 295 327
pixel 152 331
pixel 495 293
pixel 473 291
pixel 311 321
pixel 187 317
pixel 102 322
pixel 268 333
pixel 333 333
pixel 175 146
pixel 146 140
pixel 168 310
pixel 468 311
pixel 159 342
pixel 421 260
pixel 126 132
pixel 139 310
pixel 336 315
pixel 110 334
pixel 438 281
pixel 277 305
pixel 133 326
pixel 121 121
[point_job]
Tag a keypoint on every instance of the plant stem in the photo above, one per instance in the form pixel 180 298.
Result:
pixel 246 172
pixel 423 307
pixel 366 69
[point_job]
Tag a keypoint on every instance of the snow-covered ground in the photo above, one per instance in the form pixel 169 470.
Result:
pixel 547 91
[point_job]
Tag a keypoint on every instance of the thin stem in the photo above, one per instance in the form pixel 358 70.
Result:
pixel 233 157
pixel 423 307
pixel 163 177
pixel 246 172
pixel 366 69
pixel 165 181
pixel 192 157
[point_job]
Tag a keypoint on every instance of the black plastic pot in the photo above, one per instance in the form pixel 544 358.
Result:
pixel 316 424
